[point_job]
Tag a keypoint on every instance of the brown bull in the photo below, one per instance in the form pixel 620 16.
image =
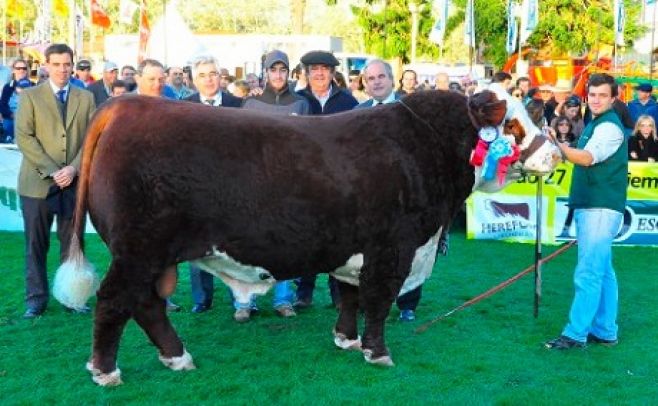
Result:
pixel 166 182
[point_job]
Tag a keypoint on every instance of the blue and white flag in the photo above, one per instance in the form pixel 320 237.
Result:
pixel 620 21
pixel 512 30
pixel 439 29
pixel 529 18
pixel 469 25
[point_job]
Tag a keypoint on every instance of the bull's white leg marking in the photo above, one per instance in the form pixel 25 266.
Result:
pixel 109 379
pixel 182 363
pixel 386 360
pixel 344 343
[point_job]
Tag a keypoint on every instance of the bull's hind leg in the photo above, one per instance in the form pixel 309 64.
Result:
pixel 150 313
pixel 112 312
pixel 346 333
pixel 381 279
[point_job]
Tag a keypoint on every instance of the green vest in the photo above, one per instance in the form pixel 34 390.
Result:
pixel 604 184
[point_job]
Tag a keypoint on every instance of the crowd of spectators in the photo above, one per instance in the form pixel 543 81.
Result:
pixel 316 87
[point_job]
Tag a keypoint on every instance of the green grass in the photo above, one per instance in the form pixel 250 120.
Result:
pixel 490 353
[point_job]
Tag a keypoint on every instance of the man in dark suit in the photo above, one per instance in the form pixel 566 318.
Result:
pixel 206 77
pixel 51 122
pixel 102 88
pixel 378 80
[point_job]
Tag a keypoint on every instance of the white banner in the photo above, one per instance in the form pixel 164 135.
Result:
pixel 438 31
pixel 529 18
pixel 127 9
pixel 512 31
pixel 469 25
pixel 11 217
pixel 620 21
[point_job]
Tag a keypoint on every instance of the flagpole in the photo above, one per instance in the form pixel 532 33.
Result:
pixel 653 33
pixel 4 36
pixel 164 16
pixel 71 5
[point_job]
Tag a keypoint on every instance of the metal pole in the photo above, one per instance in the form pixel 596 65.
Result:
pixel 4 36
pixel 413 8
pixel 540 181
pixel 164 25
pixel 653 33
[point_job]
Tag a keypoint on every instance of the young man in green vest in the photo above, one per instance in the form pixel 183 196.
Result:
pixel 598 197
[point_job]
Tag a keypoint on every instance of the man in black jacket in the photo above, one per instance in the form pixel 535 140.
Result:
pixel 205 74
pixel 324 97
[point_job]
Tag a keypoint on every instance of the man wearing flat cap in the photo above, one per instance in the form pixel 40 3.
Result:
pixel 324 96
pixel 642 101
pixel 102 88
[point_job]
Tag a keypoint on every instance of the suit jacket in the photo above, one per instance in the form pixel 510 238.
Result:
pixel 47 143
pixel 98 90
pixel 228 100
pixel 368 103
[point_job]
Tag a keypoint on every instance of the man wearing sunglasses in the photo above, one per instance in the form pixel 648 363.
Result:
pixel 9 98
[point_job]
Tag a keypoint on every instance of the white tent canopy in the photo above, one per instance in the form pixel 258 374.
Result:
pixel 171 41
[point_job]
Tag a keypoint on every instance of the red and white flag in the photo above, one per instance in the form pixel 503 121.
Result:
pixel 144 32
pixel 99 16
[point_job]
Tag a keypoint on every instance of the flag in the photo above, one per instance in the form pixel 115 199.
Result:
pixel 99 16
pixel 127 10
pixel 439 28
pixel 512 31
pixel 15 9
pixel 529 18
pixel 620 21
pixel 79 29
pixel 60 8
pixel 144 32
pixel 469 25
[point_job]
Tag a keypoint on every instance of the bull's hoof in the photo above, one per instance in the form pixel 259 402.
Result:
pixel 384 360
pixel 104 379
pixel 182 363
pixel 345 343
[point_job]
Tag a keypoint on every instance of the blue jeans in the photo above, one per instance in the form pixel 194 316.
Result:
pixel 594 307
pixel 283 296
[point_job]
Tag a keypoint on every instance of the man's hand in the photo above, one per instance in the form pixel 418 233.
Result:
pixel 64 176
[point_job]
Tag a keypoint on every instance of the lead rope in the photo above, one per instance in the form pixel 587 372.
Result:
pixel 419 118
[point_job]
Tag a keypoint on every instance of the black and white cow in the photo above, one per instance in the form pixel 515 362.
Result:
pixel 166 182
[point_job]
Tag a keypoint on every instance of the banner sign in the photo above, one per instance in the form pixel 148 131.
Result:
pixel 511 213
pixel 11 217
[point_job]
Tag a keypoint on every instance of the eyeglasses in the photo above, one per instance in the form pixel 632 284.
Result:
pixel 20 67
pixel 177 73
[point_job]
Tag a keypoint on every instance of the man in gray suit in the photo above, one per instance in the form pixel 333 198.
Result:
pixel 51 122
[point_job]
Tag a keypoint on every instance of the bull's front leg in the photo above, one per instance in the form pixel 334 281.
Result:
pixel 381 278
pixel 346 335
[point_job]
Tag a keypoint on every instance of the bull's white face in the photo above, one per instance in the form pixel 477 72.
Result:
pixel 520 130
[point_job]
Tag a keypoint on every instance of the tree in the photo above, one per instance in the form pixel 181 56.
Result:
pixel 565 27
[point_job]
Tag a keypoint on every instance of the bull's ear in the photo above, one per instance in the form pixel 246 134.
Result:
pixel 486 110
